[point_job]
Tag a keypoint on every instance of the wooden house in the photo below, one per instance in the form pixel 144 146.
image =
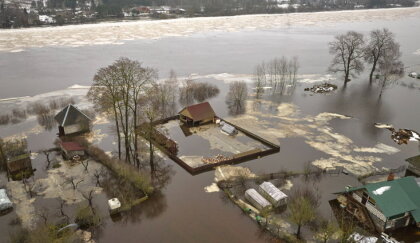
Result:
pixel 71 121
pixel 386 205
pixel 72 149
pixel 20 166
pixel 197 114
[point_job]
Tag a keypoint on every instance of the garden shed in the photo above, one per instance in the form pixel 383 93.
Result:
pixel 197 114
pixel 72 149
pixel 20 166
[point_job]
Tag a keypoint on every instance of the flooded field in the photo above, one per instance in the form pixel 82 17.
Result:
pixel 327 130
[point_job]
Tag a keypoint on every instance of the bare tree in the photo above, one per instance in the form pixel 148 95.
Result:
pixel 381 41
pixel 73 181
pixel 260 79
pixel 348 51
pixel 89 197
pixel 325 230
pixel 390 67
pixel 62 204
pixel 85 164
pixel 98 174
pixel 27 185
pixel 43 214
pixel 47 155
pixel 236 97
pixel 116 90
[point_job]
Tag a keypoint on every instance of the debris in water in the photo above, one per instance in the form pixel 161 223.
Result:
pixel 322 88
pixel 216 159
pixel 402 136
pixel 383 125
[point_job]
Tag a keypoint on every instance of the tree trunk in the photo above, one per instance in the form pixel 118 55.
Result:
pixel 372 71
pixel 152 165
pixel 346 77
pixel 118 131
pixel 298 231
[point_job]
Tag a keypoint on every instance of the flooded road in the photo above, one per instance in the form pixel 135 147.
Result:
pixel 183 211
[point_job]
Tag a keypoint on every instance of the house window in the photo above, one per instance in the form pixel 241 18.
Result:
pixel 372 201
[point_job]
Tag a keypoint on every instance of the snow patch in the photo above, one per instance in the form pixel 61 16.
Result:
pixel 381 190
pixel 212 188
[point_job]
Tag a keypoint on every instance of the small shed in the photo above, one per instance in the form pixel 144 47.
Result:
pixel 114 204
pixel 5 202
pixel 256 199
pixel 272 194
pixel 20 166
pixel 229 129
pixel 197 114
pixel 71 120
pixel 72 149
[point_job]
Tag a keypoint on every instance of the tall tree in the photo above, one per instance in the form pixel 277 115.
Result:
pixel 117 89
pixel 381 41
pixel 348 51
pixel 391 67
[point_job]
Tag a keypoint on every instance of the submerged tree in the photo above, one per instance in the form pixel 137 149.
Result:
pixel 348 51
pixel 381 42
pixel 236 97
pixel 390 67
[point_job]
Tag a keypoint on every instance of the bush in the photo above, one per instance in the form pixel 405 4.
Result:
pixel 86 218
pixel 4 119
pixel 121 169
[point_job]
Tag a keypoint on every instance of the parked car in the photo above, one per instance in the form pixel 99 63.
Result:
pixel 413 75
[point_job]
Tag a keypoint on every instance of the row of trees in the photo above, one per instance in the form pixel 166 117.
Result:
pixel 131 95
pixel 381 51
pixel 278 74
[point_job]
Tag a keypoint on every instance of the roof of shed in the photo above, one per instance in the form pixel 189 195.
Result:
pixel 70 115
pixel 72 146
pixel 199 112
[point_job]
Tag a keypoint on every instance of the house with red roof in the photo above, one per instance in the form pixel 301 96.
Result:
pixel 197 114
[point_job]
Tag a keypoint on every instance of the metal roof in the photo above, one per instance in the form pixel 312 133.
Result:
pixel 228 129
pixel 395 197
pixel 199 112
pixel 70 115
pixel 273 191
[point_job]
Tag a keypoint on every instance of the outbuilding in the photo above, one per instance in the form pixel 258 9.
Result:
pixel 229 129
pixel 71 150
pixel 71 120
pixel 256 199
pixel 20 166
pixel 197 114
pixel 272 194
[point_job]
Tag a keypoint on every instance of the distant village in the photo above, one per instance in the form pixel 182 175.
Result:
pixel 27 13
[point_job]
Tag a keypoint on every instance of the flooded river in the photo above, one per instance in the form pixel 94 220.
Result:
pixel 184 211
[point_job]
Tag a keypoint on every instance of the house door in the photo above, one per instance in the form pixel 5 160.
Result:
pixel 61 131
pixel 364 198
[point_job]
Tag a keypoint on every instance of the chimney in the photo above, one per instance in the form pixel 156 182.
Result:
pixel 391 177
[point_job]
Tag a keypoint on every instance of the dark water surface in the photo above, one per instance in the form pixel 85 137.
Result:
pixel 183 211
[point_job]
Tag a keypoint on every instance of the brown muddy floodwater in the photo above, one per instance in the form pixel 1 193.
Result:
pixel 335 129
